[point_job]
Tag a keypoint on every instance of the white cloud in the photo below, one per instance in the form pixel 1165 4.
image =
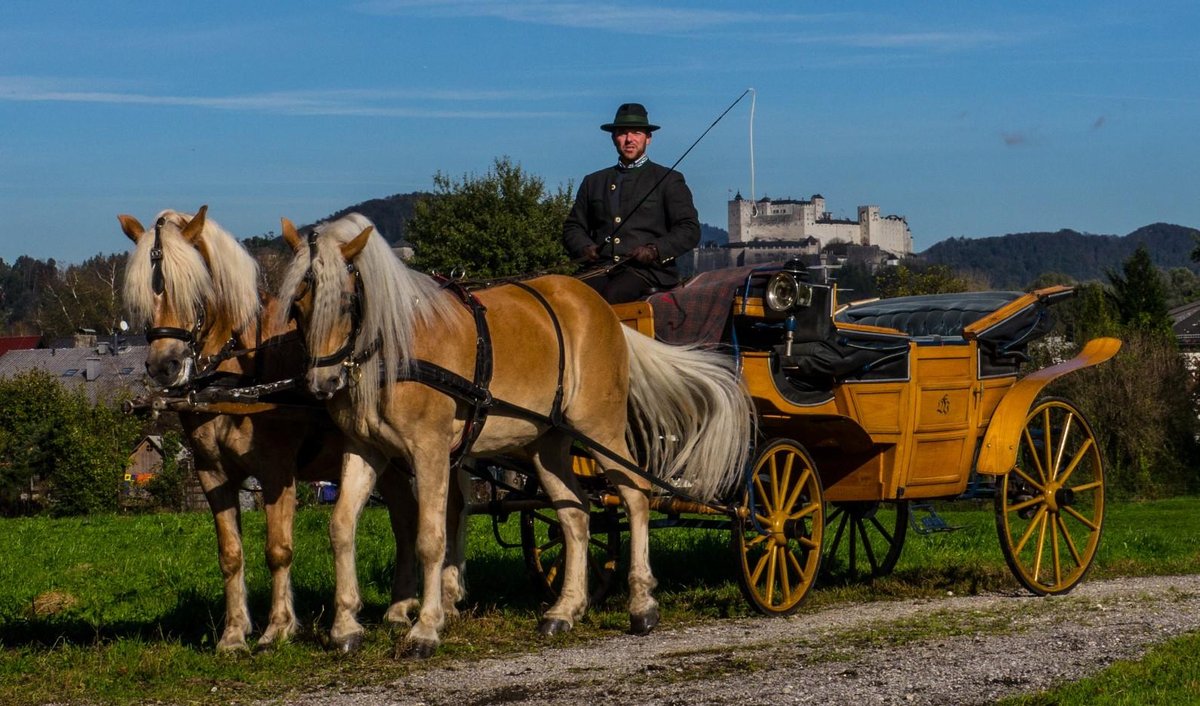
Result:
pixel 363 102
pixel 629 18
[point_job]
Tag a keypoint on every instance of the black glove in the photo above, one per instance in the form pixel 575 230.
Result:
pixel 644 254
pixel 591 253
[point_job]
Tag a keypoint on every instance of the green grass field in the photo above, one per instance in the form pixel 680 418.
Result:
pixel 126 609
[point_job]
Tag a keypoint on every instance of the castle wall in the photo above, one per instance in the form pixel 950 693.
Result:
pixel 791 221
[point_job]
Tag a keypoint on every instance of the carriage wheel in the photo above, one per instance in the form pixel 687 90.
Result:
pixel 1050 506
pixel 542 545
pixel 867 537
pixel 778 540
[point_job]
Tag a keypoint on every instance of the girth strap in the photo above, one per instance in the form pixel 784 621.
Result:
pixel 556 414
pixel 474 394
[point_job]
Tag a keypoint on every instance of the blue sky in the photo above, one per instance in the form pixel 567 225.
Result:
pixel 973 119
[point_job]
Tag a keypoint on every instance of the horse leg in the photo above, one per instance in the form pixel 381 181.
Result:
pixel 358 478
pixel 634 492
pixel 395 486
pixel 280 495
pixel 551 458
pixel 454 588
pixel 222 495
pixel 432 469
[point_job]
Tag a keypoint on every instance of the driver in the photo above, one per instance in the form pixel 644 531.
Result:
pixel 635 216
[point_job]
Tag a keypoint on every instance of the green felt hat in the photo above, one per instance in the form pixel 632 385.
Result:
pixel 630 115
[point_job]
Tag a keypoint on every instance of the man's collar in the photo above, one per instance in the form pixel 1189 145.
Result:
pixel 640 161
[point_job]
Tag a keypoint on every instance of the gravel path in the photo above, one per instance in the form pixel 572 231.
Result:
pixel 957 650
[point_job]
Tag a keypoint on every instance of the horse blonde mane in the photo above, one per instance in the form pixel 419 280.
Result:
pixel 396 300
pixel 228 282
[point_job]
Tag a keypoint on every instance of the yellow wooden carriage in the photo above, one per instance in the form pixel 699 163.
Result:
pixel 865 409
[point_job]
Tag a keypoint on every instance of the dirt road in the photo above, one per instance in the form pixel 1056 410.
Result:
pixel 956 650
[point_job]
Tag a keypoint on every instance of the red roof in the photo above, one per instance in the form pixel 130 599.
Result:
pixel 18 343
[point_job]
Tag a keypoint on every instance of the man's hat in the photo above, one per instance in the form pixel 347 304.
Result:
pixel 630 115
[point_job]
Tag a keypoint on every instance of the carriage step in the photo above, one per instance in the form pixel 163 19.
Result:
pixel 931 523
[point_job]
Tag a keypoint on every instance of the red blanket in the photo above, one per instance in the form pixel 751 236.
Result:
pixel 698 311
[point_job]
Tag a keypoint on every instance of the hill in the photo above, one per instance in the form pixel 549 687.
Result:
pixel 1004 262
pixel 390 214
pixel 1013 261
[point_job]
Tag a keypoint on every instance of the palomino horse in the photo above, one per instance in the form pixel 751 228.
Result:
pixel 197 288
pixel 554 362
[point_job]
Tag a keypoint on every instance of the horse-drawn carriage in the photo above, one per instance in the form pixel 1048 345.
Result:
pixel 863 410
pixel 858 411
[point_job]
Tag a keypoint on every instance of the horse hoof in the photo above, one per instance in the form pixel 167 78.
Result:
pixel 265 647
pixel 553 626
pixel 233 648
pixel 643 624
pixel 350 643
pixel 421 649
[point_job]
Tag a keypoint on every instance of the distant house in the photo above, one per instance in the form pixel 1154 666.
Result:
pixel 1186 325
pixel 145 462
pixel 14 343
pixel 104 372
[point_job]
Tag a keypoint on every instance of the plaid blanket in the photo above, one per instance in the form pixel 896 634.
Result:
pixel 698 311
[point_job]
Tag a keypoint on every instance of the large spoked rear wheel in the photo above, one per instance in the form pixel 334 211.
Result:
pixel 864 538
pixel 542 545
pixel 1050 506
pixel 778 538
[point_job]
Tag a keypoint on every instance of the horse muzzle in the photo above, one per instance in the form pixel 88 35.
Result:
pixel 324 383
pixel 170 370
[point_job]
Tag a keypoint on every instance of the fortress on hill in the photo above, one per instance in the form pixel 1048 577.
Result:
pixel 766 231
pixel 791 221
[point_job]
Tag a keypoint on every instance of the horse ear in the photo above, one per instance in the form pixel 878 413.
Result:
pixel 131 227
pixel 290 236
pixel 192 231
pixel 351 249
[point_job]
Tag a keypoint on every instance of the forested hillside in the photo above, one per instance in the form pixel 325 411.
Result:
pixel 1013 261
pixel 390 214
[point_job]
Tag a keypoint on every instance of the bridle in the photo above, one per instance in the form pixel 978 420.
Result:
pixel 158 284
pixel 203 364
pixel 345 355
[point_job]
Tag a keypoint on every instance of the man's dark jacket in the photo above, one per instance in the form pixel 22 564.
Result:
pixel 667 218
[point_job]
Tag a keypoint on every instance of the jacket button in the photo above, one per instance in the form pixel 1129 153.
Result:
pixel 612 187
pixel 616 241
pixel 617 219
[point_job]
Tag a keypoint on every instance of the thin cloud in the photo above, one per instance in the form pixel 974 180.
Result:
pixel 630 19
pixel 341 102
pixel 939 41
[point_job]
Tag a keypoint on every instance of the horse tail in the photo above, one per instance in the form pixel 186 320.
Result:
pixel 690 417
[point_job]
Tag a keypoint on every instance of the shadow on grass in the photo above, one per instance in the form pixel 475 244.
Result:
pixel 192 622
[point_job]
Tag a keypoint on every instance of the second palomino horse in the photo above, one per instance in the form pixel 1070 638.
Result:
pixel 414 371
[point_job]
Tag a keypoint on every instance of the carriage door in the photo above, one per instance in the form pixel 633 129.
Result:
pixel 942 429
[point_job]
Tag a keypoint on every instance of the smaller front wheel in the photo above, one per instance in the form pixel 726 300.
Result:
pixel 778 534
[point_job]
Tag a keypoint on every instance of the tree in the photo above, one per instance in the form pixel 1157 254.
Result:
pixel 55 436
pixel 503 223
pixel 905 280
pixel 87 295
pixel 1140 294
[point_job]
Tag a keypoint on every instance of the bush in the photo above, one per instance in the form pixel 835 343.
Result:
pixel 503 223
pixel 1142 408
pixel 78 449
